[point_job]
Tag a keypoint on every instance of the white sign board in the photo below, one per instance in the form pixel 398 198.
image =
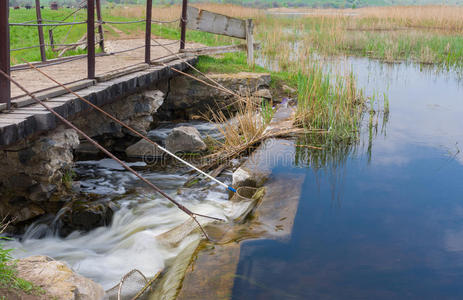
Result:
pixel 203 20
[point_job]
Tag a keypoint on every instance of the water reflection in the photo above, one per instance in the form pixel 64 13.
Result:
pixel 380 218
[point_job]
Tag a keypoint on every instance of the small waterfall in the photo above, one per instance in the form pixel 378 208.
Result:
pixel 105 254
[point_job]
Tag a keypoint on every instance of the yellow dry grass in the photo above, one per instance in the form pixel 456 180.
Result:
pixel 430 16
pixel 173 12
pixel 442 17
pixel 245 127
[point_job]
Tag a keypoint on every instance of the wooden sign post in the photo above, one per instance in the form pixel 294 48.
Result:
pixel 250 41
pixel 203 20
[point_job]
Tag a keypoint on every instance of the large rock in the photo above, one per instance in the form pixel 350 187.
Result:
pixel 188 97
pixel 185 139
pixel 135 110
pixel 57 279
pixel 263 93
pixel 85 216
pixel 143 149
pixel 31 172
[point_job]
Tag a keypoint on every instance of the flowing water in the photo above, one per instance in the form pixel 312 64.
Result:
pixel 383 219
pixel 106 254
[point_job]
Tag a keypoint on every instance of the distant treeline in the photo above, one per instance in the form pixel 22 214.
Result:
pixel 262 3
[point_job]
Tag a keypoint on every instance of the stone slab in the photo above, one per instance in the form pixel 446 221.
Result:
pixel 211 278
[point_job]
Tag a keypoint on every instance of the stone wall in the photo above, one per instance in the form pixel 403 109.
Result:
pixel 187 97
pixel 35 175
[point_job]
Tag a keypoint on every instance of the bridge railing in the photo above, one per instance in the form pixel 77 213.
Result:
pixel 91 6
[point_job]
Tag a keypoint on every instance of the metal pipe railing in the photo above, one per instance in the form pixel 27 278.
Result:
pixel 5 90
pixel 149 12
pixel 47 24
pixel 183 22
pixel 100 26
pixel 91 39
pixel 92 24
pixel 38 12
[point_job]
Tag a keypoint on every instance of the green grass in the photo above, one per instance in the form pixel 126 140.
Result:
pixel 237 62
pixel 21 36
pixel 330 103
pixel 266 111
pixel 341 36
pixel 8 274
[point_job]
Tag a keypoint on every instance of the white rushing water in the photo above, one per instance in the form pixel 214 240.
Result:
pixel 105 254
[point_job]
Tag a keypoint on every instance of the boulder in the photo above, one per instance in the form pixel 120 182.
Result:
pixel 57 279
pixel 263 93
pixel 82 216
pixel 187 97
pixel 32 171
pixel 185 139
pixel 135 110
pixel 143 149
pixel 288 89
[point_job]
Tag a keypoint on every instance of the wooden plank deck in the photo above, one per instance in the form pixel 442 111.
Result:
pixel 77 70
pixel 117 79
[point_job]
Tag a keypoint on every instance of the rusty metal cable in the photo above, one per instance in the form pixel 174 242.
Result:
pixel 193 215
pixel 47 24
pixel 131 129
pixel 194 68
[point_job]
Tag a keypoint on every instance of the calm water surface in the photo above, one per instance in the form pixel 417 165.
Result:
pixel 385 220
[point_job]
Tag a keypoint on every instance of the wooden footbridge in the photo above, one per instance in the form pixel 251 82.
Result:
pixel 100 78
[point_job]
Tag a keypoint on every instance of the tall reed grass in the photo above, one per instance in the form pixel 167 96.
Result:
pixel 423 34
pixel 329 102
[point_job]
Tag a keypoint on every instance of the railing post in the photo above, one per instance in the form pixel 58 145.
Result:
pixel 52 40
pixel 149 12
pixel 5 91
pixel 183 22
pixel 38 12
pixel 100 25
pixel 91 38
pixel 250 41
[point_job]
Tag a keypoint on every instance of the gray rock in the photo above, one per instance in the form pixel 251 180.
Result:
pixel 242 177
pixel 143 148
pixel 185 139
pixel 155 97
pixel 188 97
pixel 263 93
pixel 28 212
pixel 40 192
pixel 288 89
pixel 135 110
pixel 85 147
pixel 85 216
pixel 57 279
pixel 33 171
